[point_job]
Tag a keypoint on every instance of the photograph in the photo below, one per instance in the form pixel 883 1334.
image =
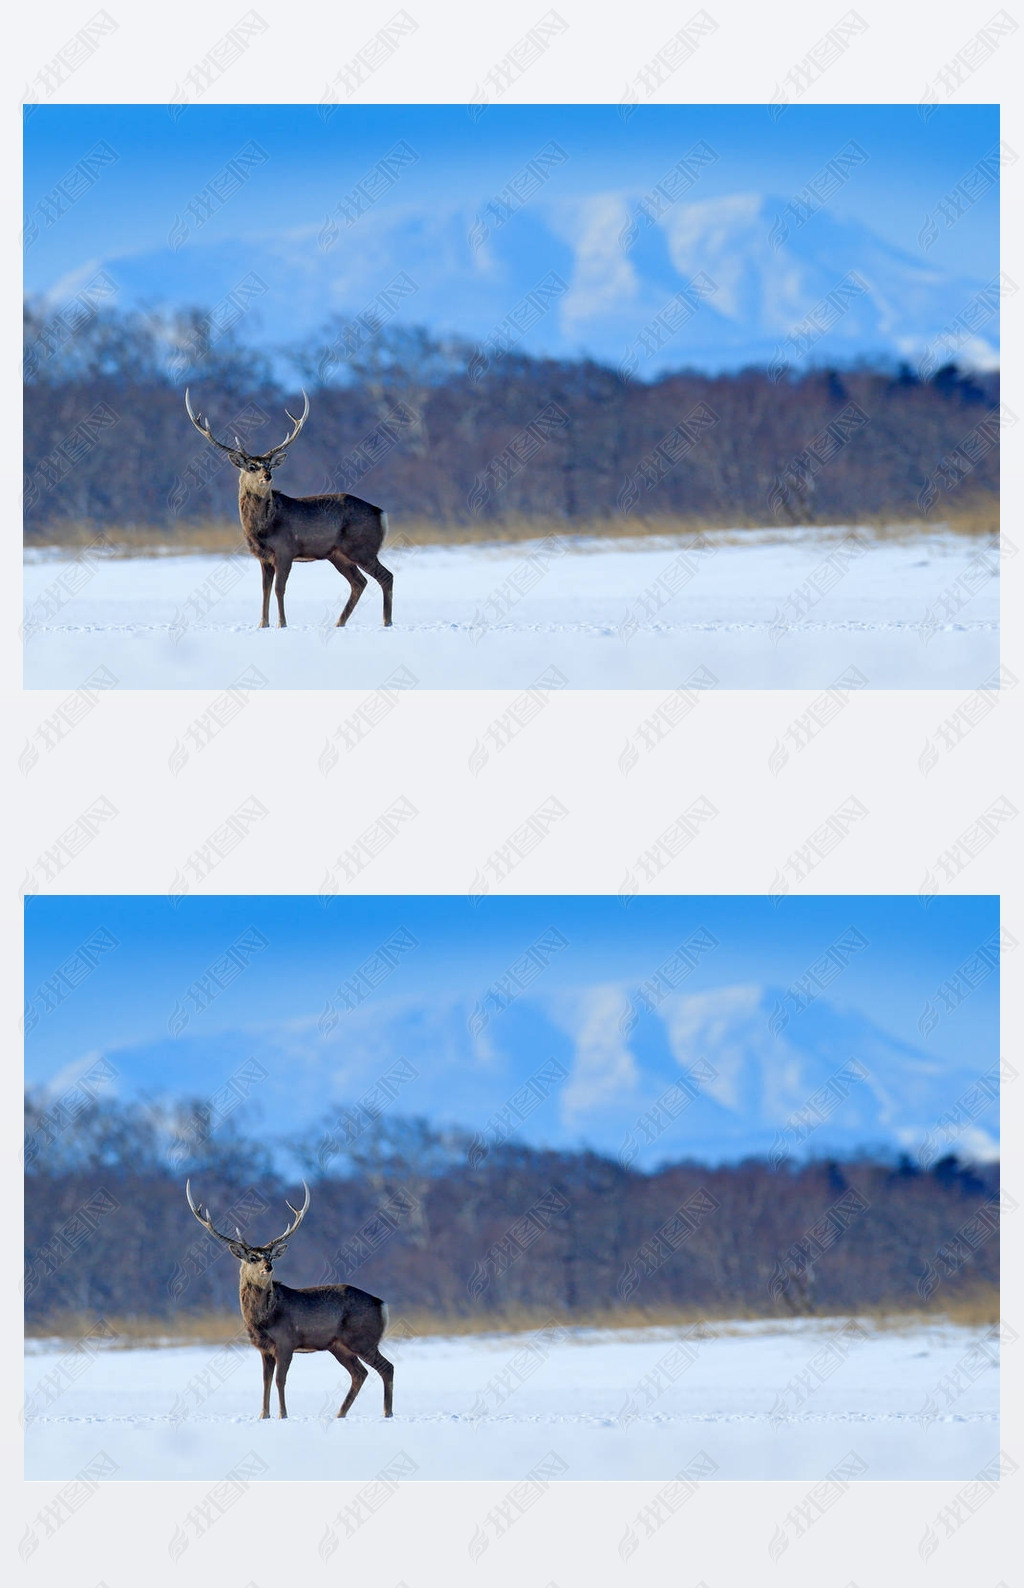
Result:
pixel 560 396
pixel 567 1187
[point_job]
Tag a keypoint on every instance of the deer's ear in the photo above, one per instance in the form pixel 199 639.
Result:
pixel 238 459
pixel 241 1252
pixel 278 1248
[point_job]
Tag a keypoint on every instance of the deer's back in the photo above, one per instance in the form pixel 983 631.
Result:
pixel 314 1317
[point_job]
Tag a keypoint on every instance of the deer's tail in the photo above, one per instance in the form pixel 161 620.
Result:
pixel 384 1318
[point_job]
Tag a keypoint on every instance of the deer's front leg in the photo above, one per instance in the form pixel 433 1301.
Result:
pixel 284 1362
pixel 283 570
pixel 268 1376
pixel 268 579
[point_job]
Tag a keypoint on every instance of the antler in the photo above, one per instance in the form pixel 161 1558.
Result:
pixel 198 1211
pixel 204 430
pixel 300 1213
pixel 298 424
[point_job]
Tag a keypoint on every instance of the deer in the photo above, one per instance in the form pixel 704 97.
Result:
pixel 347 1322
pixel 280 530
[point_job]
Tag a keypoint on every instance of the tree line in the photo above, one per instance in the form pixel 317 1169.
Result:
pixel 438 430
pixel 462 1227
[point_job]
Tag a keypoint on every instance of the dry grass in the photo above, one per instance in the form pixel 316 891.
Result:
pixel 975 1310
pixel 223 536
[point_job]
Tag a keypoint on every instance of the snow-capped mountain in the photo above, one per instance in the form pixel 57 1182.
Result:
pixel 600 275
pixel 715 1075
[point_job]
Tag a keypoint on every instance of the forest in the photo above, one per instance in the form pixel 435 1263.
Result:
pixel 446 434
pixel 455 1227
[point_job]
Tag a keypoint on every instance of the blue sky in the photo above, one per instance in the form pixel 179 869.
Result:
pixel 129 997
pixel 162 163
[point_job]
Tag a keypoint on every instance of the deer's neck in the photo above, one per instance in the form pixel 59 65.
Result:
pixel 255 508
pixel 257 1302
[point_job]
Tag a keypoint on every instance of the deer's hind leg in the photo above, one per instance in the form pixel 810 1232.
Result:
pixel 349 570
pixel 385 578
pixel 347 1358
pixel 386 1370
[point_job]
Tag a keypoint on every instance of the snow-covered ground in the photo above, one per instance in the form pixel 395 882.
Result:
pixel 787 1401
pixel 750 610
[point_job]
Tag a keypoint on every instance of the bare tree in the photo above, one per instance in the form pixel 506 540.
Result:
pixel 279 530
pixel 280 1321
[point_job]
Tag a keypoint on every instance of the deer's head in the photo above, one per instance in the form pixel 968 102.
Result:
pixel 255 468
pixel 257 1261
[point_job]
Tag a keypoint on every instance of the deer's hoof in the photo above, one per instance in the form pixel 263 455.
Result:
pixel 264 1417
pixel 264 625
